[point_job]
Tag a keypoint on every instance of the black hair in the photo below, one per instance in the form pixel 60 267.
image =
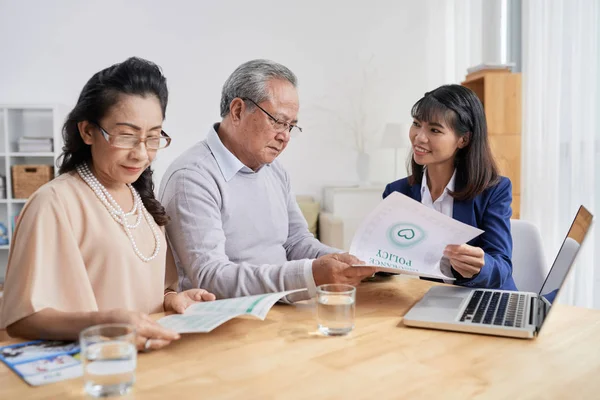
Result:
pixel 462 111
pixel 134 76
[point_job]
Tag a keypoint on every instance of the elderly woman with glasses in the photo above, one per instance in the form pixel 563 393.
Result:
pixel 89 247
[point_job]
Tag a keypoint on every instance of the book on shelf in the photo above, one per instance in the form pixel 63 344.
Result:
pixel 35 139
pixel 35 149
pixel 30 144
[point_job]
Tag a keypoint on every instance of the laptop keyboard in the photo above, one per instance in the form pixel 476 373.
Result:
pixel 495 308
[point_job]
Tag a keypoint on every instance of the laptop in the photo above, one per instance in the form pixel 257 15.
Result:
pixel 500 312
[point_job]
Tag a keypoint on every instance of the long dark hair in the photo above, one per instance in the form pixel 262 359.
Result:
pixel 134 76
pixel 463 112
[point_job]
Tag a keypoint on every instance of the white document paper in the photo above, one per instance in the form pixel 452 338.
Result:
pixel 402 235
pixel 206 316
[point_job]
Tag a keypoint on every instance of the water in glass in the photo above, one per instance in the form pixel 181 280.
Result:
pixel 109 358
pixel 335 312
pixel 109 368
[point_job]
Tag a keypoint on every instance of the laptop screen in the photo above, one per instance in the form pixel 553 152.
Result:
pixel 566 256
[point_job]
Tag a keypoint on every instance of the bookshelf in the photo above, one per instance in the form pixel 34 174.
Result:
pixel 17 121
pixel 500 93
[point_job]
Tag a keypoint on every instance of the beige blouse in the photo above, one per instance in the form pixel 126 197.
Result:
pixel 68 253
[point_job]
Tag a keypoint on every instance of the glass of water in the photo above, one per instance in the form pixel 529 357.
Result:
pixel 335 309
pixel 109 358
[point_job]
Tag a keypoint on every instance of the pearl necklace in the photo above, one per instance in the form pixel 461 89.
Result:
pixel 117 212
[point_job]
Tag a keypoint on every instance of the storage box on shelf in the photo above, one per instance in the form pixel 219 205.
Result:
pixel 28 178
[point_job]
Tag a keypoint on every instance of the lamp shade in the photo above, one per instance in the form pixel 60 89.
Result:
pixel 395 136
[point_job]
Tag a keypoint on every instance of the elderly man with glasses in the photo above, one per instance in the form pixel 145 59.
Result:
pixel 235 227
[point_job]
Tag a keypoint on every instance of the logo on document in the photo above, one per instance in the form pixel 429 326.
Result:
pixel 405 235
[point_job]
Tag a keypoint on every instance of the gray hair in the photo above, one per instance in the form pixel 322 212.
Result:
pixel 250 80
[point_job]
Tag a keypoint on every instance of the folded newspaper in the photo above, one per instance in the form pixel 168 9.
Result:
pixel 206 316
pixel 404 236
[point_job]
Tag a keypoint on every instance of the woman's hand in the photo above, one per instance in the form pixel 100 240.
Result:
pixel 150 335
pixel 178 302
pixel 466 260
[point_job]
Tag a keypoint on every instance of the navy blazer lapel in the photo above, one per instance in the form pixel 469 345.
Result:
pixel 415 192
pixel 463 211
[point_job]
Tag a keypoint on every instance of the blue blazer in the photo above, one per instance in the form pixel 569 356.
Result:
pixel 490 211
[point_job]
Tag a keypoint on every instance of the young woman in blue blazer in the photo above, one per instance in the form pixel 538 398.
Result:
pixel 452 171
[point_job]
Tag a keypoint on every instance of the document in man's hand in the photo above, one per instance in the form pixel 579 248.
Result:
pixel 206 316
pixel 404 236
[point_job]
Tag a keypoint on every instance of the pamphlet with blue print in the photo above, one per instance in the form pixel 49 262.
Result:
pixel 403 236
pixel 41 362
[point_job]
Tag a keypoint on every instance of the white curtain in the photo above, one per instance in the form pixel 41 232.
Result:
pixel 561 131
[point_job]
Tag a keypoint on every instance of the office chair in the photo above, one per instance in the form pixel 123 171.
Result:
pixel 528 260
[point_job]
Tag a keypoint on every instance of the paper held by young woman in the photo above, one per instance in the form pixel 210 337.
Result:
pixel 404 236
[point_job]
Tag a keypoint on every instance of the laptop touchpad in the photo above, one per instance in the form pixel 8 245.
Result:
pixel 442 301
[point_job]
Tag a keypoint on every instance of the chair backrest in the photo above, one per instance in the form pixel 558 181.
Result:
pixel 528 259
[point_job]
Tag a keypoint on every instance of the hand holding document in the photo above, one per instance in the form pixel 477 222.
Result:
pixel 403 236
pixel 206 316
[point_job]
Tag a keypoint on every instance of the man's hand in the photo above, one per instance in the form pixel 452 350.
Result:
pixel 178 302
pixel 336 268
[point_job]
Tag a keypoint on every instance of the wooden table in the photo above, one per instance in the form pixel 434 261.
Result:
pixel 284 357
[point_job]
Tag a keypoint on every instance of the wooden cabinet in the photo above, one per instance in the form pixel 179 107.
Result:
pixel 500 93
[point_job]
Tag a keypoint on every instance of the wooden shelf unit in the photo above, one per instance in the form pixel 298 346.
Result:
pixel 500 93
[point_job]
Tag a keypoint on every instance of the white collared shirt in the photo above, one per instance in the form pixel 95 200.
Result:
pixel 228 163
pixel 443 204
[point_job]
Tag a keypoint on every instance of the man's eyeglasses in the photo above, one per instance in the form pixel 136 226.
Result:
pixel 132 141
pixel 280 126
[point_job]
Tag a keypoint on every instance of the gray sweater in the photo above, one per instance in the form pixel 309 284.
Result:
pixel 233 231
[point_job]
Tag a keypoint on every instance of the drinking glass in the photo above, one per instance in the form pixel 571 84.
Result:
pixel 335 309
pixel 109 357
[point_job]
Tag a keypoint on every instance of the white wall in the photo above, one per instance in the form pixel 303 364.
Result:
pixel 393 51
pixel 494 34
